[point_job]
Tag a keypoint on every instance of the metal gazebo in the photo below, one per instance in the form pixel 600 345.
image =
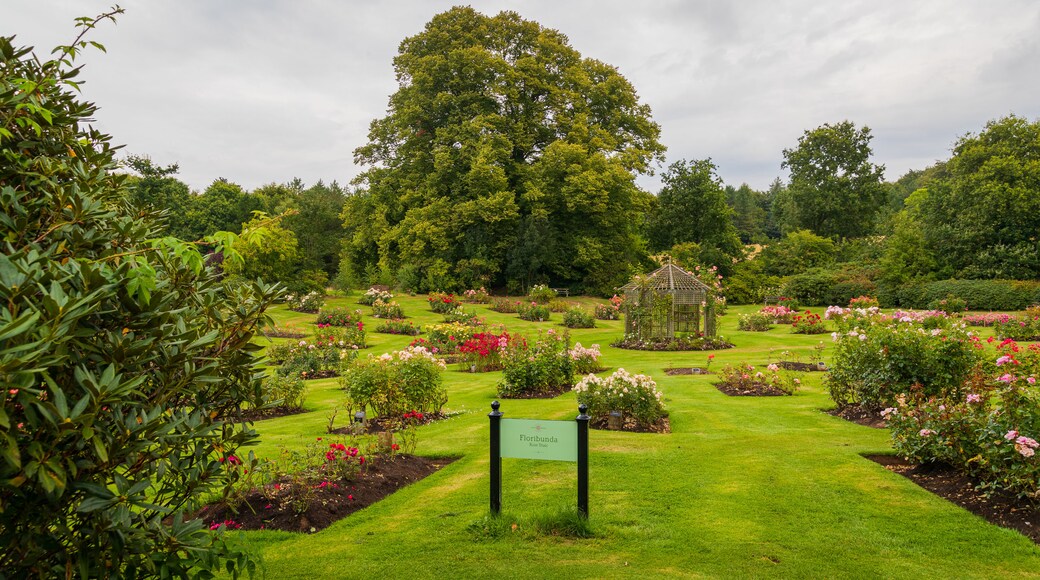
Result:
pixel 668 301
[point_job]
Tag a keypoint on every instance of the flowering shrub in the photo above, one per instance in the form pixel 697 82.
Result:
pixel 864 302
pixel 480 296
pixel 398 327
pixel 1018 328
pixel 878 361
pixel 372 294
pixel 711 277
pixel 756 321
pixel 445 338
pixel 287 392
pixel 586 360
pixel 542 368
pixel 778 314
pixel 578 318
pixel 533 311
pixel 389 310
pixel 610 311
pixel 460 316
pixel 483 352
pixel 989 433
pixel 744 377
pixel 634 396
pixel 338 317
pixel 986 319
pixel 320 357
pixel 949 304
pixel 505 305
pixel 561 305
pixel 309 303
pixel 442 303
pixel 394 383
pixel 541 294
pixel 808 323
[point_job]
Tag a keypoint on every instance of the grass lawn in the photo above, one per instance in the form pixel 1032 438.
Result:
pixel 742 487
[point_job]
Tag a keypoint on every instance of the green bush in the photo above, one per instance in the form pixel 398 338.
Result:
pixel 578 318
pixel 338 317
pixel 126 361
pixel 393 384
pixel 535 370
pixel 983 294
pixel 372 295
pixel 310 302
pixel 541 294
pixel 755 322
pixel 504 305
pixel 387 310
pixel 442 303
pixel 634 396
pixel 533 311
pixel 287 392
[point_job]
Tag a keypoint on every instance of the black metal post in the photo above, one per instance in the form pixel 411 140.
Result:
pixel 496 458
pixel 583 460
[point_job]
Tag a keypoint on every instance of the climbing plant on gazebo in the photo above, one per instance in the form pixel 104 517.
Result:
pixel 668 304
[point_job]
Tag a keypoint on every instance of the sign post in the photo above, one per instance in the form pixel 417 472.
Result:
pixel 544 440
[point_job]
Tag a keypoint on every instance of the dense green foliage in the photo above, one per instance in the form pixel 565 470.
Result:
pixel 505 159
pixel 125 363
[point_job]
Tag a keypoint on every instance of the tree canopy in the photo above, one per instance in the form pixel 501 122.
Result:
pixel 835 190
pixel 505 158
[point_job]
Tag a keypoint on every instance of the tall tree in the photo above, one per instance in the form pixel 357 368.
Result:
pixel 982 214
pixel 505 157
pixel 156 188
pixel 750 212
pixel 835 190
pixel 691 207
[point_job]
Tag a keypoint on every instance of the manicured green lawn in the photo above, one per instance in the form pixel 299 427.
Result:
pixel 742 487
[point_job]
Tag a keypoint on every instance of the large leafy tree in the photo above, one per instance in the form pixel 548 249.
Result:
pixel 505 157
pixel 981 213
pixel 691 207
pixel 835 190
pixel 155 188
pixel 124 361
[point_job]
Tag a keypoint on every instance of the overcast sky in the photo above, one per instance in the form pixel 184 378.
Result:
pixel 264 91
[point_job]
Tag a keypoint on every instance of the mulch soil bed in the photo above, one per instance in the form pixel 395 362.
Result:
pixel 788 365
pixel 952 485
pixel 326 374
pixel 686 371
pixel 550 394
pixel 663 425
pixel 384 424
pixel 261 414
pixel 860 416
pixel 380 478
pixel 672 345
pixel 755 390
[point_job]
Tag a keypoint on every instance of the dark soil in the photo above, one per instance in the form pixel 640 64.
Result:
pixel 550 394
pixel 384 424
pixel 284 334
pixel 686 371
pixel 674 344
pixel 755 390
pixel 273 413
pixel 788 365
pixel 331 502
pixel 860 416
pixel 663 425
pixel 952 485
pixel 319 375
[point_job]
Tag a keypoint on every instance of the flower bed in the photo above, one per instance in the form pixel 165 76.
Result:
pixel 338 317
pixel 578 317
pixel 483 351
pixel 442 303
pixel 539 370
pixel 309 303
pixel 389 310
pixel 586 360
pixel 610 311
pixel 395 383
pixel 779 314
pixel 445 339
pixel 634 398
pixel 321 357
pixel 755 322
pixel 631 342
pixel 1026 327
pixel 372 294
pixel 480 296
pixel 532 311
pixel 808 323
pixel 743 380
pixel 505 305
pixel 399 327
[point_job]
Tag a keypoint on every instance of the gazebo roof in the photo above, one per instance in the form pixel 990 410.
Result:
pixel 673 279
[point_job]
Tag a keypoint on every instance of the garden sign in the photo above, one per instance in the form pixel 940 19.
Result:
pixel 536 439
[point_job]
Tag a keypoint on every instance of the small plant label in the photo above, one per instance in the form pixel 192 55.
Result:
pixel 534 439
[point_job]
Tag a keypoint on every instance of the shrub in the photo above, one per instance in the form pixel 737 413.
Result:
pixel 977 294
pixel 445 339
pixel 779 314
pixel 460 316
pixel 398 327
pixel 808 323
pixel 541 294
pixel 756 322
pixel 505 305
pixel 586 360
pixel 578 318
pixel 390 310
pixel 126 361
pixel 536 370
pixel 320 357
pixel 561 305
pixel 864 302
pixel 480 296
pixel 876 362
pixel 442 303
pixel 986 319
pixel 1018 328
pixel 395 383
pixel 533 311
pixel 483 352
pixel 610 311
pixel 634 396
pixel 310 302
pixel 950 304
pixel 372 294
pixel 338 317
pixel 744 377
pixel 287 392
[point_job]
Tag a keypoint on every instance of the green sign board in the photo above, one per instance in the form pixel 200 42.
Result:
pixel 534 439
